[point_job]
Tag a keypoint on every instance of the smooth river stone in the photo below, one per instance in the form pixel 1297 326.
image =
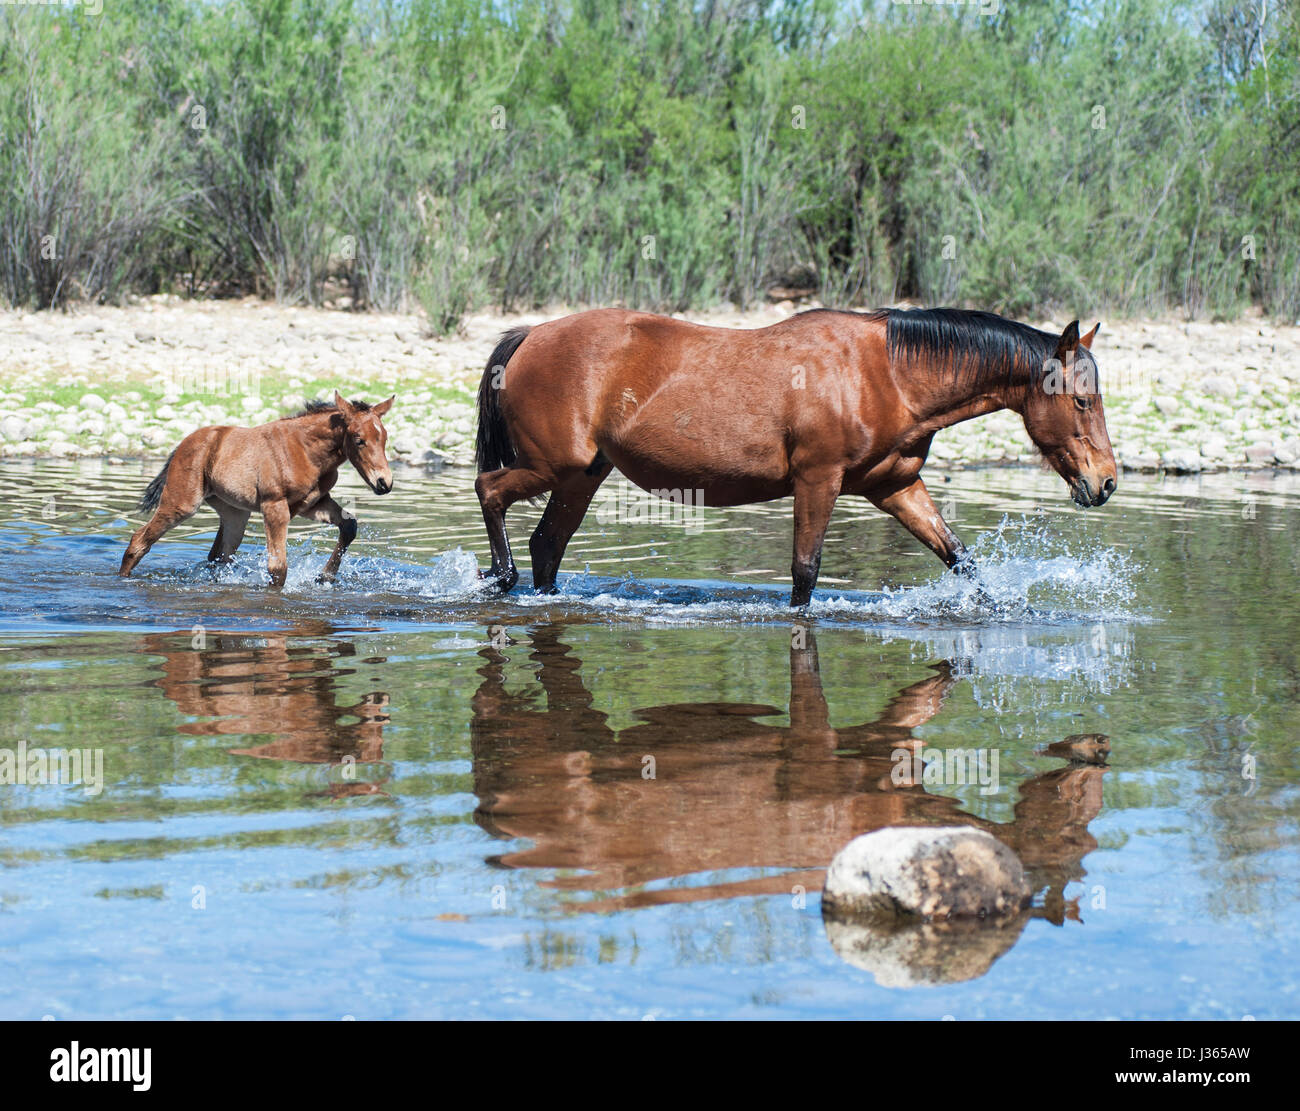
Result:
pixel 942 872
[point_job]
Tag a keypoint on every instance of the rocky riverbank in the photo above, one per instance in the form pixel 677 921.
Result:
pixel 133 381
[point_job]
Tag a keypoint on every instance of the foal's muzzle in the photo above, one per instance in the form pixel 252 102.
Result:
pixel 381 486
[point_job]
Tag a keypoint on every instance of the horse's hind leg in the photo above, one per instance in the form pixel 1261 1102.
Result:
pixel 564 513
pixel 181 499
pixel 498 491
pixel 328 511
pixel 230 533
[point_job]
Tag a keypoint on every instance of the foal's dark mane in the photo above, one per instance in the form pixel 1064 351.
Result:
pixel 974 346
pixel 316 405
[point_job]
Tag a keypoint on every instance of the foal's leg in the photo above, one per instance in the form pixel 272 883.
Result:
pixel 230 534
pixel 328 511
pixel 276 515
pixel 498 491
pixel 215 551
pixel 564 513
pixel 912 506
pixel 814 499
pixel 181 498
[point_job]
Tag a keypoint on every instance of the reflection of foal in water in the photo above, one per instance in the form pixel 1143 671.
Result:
pixel 283 469
pixel 729 792
pixel 242 684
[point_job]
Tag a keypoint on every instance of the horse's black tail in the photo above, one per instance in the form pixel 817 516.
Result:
pixel 153 492
pixel 493 449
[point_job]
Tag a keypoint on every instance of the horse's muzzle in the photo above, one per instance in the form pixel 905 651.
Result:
pixel 381 486
pixel 1086 495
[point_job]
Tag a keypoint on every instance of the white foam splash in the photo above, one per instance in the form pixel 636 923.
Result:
pixel 1025 570
pixel 452 575
pixel 1026 573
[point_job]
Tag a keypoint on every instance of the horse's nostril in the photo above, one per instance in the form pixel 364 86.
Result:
pixel 1108 487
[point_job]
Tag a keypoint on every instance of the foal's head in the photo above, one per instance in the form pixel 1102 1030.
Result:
pixel 1065 419
pixel 364 437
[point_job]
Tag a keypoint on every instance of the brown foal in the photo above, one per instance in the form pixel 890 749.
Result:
pixel 822 404
pixel 283 469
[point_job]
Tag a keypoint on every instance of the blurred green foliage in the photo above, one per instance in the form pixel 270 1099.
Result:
pixel 1099 155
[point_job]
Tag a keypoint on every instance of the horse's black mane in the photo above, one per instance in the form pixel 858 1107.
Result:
pixel 316 405
pixel 972 344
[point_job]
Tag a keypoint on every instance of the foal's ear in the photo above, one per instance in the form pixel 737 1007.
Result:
pixel 1069 342
pixel 343 405
pixel 1087 340
pixel 383 407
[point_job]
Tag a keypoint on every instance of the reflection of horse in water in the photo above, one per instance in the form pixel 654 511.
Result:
pixel 729 792
pixel 260 684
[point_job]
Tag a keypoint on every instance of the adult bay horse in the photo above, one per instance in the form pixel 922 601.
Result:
pixel 285 469
pixel 822 404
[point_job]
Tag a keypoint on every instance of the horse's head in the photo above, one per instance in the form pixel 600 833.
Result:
pixel 364 439
pixel 1065 419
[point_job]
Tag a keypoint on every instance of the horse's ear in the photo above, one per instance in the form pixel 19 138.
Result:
pixel 343 405
pixel 1069 342
pixel 1087 340
pixel 383 407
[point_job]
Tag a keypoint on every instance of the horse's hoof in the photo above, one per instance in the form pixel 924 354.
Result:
pixel 503 581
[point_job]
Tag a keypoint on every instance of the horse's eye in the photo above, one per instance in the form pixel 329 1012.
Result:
pixel 1083 402
pixel 359 441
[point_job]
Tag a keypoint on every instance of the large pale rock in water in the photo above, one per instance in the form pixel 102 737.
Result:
pixel 943 872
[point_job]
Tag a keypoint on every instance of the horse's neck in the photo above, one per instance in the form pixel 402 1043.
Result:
pixel 936 404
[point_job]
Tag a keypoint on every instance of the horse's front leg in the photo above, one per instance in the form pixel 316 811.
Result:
pixel 276 515
pixel 814 499
pixel 913 508
pixel 328 511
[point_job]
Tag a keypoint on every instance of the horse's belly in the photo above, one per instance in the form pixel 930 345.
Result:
pixel 698 479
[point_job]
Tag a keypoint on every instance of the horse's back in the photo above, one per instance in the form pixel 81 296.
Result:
pixel 669 401
pixel 605 362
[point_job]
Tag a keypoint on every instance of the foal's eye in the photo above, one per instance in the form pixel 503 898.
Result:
pixel 1083 402
pixel 358 441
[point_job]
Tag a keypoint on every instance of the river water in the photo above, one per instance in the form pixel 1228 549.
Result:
pixel 401 797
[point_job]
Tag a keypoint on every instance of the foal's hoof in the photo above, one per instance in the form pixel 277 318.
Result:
pixel 324 579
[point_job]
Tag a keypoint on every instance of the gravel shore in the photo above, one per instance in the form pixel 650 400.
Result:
pixel 131 381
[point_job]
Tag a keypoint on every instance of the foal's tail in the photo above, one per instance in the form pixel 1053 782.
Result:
pixel 493 448
pixel 153 492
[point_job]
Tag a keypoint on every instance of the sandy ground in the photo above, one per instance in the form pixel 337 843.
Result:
pixel 134 380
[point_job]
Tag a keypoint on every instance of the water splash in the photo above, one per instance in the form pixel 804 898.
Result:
pixel 452 575
pixel 1027 574
pixel 1026 570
